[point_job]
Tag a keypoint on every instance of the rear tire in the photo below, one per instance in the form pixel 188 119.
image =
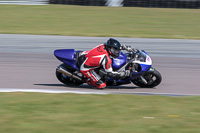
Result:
pixel 67 80
pixel 153 79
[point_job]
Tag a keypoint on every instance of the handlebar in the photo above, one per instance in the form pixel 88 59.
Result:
pixel 128 48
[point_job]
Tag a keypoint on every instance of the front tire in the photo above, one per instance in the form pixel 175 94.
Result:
pixel 67 80
pixel 152 79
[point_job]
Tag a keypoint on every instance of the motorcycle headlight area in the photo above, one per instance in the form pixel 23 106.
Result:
pixel 143 58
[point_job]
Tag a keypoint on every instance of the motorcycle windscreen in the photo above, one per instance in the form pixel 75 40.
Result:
pixel 119 62
pixel 66 56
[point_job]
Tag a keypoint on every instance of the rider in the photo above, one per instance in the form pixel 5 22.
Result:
pixel 100 56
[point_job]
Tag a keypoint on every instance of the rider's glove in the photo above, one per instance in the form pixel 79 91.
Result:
pixel 119 75
pixel 123 47
pixel 129 49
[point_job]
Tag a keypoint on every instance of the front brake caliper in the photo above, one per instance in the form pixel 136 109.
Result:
pixel 152 69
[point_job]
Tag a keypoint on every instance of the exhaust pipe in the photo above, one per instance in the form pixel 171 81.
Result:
pixel 68 74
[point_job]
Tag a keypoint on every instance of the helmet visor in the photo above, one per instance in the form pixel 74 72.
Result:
pixel 115 51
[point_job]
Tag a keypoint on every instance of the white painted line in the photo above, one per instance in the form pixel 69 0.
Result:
pixel 48 91
pixel 195 113
pixel 106 91
pixel 148 117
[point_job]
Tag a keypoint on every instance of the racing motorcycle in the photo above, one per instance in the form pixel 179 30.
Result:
pixel 135 60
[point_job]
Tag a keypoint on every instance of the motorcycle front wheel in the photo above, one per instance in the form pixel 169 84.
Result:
pixel 148 80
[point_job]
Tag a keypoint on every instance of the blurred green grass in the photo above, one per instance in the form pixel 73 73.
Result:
pixel 100 21
pixel 73 113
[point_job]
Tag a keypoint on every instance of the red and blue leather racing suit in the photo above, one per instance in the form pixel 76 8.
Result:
pixel 93 59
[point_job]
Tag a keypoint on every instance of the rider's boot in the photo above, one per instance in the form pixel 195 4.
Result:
pixel 98 84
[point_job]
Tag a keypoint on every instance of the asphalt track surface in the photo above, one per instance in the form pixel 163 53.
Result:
pixel 28 64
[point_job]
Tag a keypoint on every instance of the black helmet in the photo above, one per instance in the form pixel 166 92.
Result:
pixel 113 47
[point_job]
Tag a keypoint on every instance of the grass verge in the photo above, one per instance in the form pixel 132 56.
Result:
pixel 100 21
pixel 73 113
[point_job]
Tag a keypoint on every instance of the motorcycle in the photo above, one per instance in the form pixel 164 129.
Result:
pixel 137 61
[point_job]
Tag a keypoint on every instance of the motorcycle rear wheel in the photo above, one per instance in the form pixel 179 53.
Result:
pixel 67 80
pixel 153 78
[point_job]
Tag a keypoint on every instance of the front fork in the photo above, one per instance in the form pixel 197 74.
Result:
pixel 142 77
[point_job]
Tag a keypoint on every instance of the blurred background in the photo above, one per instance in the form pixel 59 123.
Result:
pixel 126 3
pixel 30 30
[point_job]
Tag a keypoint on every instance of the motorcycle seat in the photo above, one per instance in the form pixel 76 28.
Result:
pixel 79 58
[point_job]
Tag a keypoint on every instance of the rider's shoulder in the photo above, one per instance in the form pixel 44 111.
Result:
pixel 101 48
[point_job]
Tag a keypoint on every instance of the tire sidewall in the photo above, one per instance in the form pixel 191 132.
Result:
pixel 155 83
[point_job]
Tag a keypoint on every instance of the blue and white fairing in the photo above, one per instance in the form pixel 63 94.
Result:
pixel 119 62
pixel 145 62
